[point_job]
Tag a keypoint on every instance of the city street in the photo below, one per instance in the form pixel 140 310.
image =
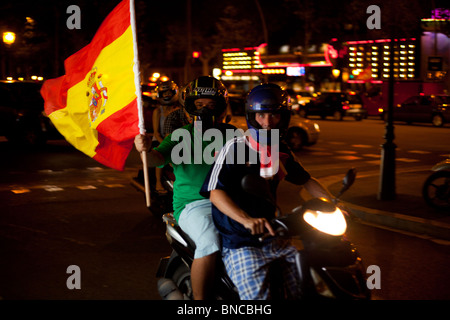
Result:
pixel 59 208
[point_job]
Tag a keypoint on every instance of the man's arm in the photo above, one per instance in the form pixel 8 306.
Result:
pixel 156 129
pixel 315 188
pixel 228 207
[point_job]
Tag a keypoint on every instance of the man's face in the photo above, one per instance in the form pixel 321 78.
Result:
pixel 167 95
pixel 205 103
pixel 267 120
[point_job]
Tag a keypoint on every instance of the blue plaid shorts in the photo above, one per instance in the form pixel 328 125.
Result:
pixel 248 269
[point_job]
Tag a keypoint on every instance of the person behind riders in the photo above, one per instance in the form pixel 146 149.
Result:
pixel 205 99
pixel 175 120
pixel 240 217
pixel 167 95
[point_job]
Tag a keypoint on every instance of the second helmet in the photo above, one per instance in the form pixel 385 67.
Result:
pixel 205 87
pixel 167 92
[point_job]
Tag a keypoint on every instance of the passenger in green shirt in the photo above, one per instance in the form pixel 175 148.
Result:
pixel 191 150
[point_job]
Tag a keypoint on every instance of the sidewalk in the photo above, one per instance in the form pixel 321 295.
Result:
pixel 408 212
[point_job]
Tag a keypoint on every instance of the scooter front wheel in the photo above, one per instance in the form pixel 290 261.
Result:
pixel 436 190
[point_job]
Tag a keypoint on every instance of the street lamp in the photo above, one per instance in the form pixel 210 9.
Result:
pixel 336 73
pixel 216 73
pixel 9 37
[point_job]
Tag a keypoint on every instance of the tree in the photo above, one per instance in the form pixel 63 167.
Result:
pixel 211 34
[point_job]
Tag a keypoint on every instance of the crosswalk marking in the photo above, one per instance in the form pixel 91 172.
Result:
pixel 406 160
pixel 348 158
pixel 362 146
pixel 372 155
pixel 86 187
pixel 52 188
pixel 20 191
pixel 354 154
pixel 95 168
pixel 319 151
pixel 114 185
pixel 419 151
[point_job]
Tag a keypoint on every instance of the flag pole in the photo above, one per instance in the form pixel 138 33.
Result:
pixel 137 83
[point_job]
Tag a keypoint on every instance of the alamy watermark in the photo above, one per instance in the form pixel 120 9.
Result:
pixel 374 21
pixel 373 280
pixel 74 280
pixel 190 150
pixel 74 20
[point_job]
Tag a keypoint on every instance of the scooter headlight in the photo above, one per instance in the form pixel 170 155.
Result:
pixel 332 223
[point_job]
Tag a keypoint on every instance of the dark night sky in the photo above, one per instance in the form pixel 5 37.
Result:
pixel 157 14
pixel 154 17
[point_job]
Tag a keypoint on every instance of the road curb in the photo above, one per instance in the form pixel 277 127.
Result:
pixel 416 225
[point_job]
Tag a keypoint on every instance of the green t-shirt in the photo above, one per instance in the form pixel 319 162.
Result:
pixel 191 158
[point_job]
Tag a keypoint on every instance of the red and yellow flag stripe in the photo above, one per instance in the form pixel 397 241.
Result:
pixel 94 105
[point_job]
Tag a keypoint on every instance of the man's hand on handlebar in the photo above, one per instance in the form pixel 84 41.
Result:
pixel 258 226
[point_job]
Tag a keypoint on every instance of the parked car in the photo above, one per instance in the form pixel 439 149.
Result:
pixel 433 109
pixel 22 117
pixel 301 132
pixel 299 99
pixel 336 105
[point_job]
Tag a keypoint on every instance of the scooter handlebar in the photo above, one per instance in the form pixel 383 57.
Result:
pixel 279 232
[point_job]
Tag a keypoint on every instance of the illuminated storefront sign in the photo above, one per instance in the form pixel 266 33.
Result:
pixel 295 71
pixel 239 77
pixel 252 60
pixel 241 60
pixel 439 21
pixel 273 71
pixel 371 59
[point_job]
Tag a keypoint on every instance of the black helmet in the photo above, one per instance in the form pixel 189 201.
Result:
pixel 167 86
pixel 268 97
pixel 205 87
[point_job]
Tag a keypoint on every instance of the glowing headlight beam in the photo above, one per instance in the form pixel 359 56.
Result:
pixel 332 223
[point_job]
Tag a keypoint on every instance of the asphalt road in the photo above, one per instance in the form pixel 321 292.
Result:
pixel 59 208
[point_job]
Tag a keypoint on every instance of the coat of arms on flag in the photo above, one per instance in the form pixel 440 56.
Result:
pixel 97 95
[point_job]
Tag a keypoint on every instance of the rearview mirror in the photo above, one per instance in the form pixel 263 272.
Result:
pixel 347 182
pixel 349 178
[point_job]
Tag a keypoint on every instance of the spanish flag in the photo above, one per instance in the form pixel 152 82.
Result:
pixel 95 105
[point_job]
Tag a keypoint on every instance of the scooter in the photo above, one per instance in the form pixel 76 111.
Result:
pixel 330 267
pixel 436 188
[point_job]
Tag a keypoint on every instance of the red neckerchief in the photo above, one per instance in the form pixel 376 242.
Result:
pixel 269 163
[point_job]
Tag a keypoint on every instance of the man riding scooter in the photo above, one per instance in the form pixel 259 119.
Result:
pixel 240 217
